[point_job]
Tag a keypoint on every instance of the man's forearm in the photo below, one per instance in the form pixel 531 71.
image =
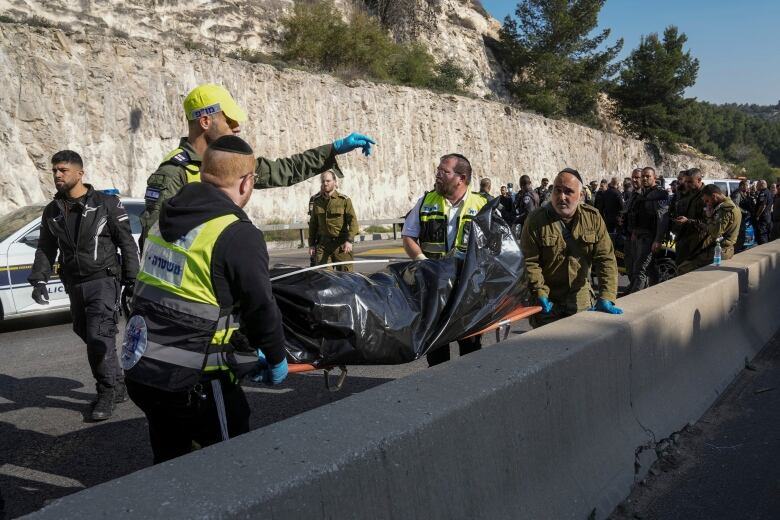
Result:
pixel 296 168
pixel 412 247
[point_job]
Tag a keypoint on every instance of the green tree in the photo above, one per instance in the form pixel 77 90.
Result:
pixel 555 68
pixel 649 91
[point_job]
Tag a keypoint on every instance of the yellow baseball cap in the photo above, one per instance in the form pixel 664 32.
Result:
pixel 208 99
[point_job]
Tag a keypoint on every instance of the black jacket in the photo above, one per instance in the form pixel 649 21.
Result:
pixel 648 212
pixel 239 264
pixel 611 207
pixel 104 227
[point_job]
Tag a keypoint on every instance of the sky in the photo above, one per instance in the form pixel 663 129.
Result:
pixel 737 42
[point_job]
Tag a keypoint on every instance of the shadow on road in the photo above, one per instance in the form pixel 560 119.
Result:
pixel 41 467
pixel 36 322
pixel 43 392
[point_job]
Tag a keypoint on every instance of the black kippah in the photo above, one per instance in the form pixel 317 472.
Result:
pixel 232 144
pixel 571 171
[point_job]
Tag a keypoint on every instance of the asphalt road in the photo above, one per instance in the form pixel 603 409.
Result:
pixel 724 467
pixel 49 449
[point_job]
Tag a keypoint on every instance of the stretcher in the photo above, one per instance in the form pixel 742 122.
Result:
pixel 501 328
pixel 335 319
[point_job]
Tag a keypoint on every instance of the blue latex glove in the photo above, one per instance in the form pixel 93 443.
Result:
pixel 353 141
pixel 607 306
pixel 546 304
pixel 267 373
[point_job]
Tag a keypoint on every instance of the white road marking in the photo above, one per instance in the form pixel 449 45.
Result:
pixel 39 476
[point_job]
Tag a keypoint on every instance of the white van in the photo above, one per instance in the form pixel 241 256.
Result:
pixel 727 186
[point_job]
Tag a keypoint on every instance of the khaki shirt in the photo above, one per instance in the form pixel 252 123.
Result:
pixel 560 271
pixel 724 222
pixel 332 217
pixel 169 178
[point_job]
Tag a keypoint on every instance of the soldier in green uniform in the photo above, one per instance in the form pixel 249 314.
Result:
pixel 332 225
pixel 722 223
pixel 691 239
pixel 211 113
pixel 561 242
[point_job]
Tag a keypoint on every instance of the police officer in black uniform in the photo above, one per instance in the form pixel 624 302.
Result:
pixel 526 200
pixel 87 227
pixel 648 223
pixel 762 217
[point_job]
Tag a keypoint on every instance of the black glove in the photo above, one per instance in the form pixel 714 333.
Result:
pixel 240 343
pixel 127 296
pixel 40 293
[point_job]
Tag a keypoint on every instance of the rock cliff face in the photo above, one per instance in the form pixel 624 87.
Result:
pixel 118 103
pixel 449 28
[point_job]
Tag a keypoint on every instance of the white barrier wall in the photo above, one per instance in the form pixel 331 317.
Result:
pixel 548 425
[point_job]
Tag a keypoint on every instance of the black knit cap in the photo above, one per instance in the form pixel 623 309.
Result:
pixel 232 144
pixel 571 171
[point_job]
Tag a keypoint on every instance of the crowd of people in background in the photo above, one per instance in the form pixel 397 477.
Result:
pixel 648 217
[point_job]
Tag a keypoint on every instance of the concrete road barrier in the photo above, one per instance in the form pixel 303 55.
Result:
pixel 558 423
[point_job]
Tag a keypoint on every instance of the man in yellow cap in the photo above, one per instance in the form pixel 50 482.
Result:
pixel 212 113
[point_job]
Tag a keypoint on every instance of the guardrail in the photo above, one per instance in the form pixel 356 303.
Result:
pixel 303 226
pixel 558 423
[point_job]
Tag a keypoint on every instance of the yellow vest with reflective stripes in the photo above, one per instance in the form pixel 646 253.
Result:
pixel 434 218
pixel 188 333
pixel 192 169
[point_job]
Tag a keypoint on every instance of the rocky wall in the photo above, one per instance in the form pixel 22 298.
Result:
pixel 118 103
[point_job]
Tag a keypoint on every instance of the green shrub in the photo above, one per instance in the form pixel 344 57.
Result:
pixel 316 36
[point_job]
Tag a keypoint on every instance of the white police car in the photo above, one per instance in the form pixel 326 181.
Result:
pixel 19 232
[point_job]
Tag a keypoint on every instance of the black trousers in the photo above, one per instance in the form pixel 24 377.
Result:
pixel 94 306
pixel 763 229
pixel 442 354
pixel 644 269
pixel 740 244
pixel 180 420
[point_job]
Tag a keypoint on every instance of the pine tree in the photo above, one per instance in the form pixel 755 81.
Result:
pixel 649 92
pixel 554 67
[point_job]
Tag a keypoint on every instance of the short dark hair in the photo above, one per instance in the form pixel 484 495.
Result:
pixel 693 172
pixel 67 156
pixel 635 170
pixel 462 165
pixel 525 180
pixel 484 183
pixel 711 189
pixel 646 168
pixel 545 179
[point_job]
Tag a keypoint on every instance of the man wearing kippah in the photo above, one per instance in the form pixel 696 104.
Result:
pixel 203 316
pixel 211 113
pixel 561 242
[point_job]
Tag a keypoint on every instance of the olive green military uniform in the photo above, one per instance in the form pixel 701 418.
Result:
pixel 332 222
pixel 559 268
pixel 691 238
pixel 183 165
pixel 724 223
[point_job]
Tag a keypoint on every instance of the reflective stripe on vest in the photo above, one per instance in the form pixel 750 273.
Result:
pixel 175 295
pixel 434 219
pixel 192 169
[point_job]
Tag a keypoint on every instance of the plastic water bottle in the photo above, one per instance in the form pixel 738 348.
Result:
pixel 718 253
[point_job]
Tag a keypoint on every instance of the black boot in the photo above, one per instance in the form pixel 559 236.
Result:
pixel 120 392
pixel 104 405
